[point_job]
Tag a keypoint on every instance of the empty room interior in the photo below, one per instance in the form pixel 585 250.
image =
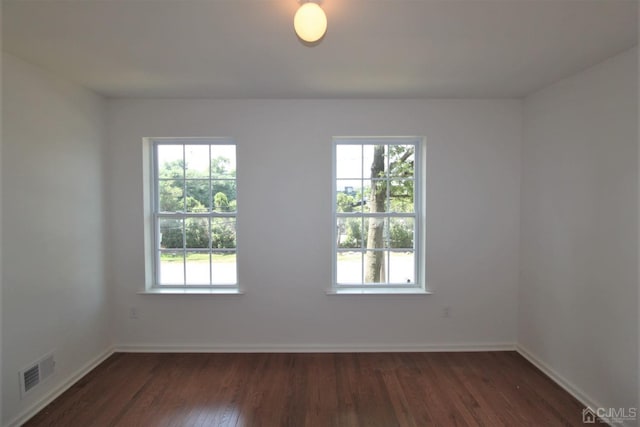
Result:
pixel 334 213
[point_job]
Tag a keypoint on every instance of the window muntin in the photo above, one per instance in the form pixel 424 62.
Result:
pixel 194 213
pixel 378 213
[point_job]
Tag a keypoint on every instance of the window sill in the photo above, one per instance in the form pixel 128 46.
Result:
pixel 190 291
pixel 379 291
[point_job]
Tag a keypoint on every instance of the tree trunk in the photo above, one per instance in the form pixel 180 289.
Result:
pixel 374 261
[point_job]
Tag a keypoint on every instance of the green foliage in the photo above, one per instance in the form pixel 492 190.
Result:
pixel 352 230
pixel 201 194
pixel 220 202
pixel 199 189
pixel 398 232
pixel 172 170
pixel 401 160
pixel 223 233
pixel 220 168
pixel 170 197
pixel 197 235
pixel 393 166
pixel 171 232
pixel 345 202
pixel 401 195
pixel 400 235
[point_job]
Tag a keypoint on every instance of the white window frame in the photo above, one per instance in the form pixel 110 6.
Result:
pixel 419 286
pixel 153 236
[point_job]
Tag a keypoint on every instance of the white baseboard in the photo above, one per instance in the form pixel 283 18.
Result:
pixel 25 415
pixel 311 348
pixel 567 385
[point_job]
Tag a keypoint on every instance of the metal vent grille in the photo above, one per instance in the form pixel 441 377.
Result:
pixel 30 378
pixel 36 373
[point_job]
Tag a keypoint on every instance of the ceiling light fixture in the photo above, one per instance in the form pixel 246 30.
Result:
pixel 310 22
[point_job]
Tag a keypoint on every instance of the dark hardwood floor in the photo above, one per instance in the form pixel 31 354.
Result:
pixel 338 389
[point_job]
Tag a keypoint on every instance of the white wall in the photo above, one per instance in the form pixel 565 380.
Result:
pixel 284 187
pixel 54 295
pixel 578 301
pixel 1 361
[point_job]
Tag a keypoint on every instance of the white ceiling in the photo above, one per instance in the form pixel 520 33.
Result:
pixel 373 48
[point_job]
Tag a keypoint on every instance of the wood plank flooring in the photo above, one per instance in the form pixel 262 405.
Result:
pixel 336 389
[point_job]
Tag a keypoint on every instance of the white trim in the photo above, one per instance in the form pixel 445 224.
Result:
pixel 153 216
pixel 25 415
pixel 191 291
pixel 567 385
pixel 418 215
pixel 378 291
pixel 313 348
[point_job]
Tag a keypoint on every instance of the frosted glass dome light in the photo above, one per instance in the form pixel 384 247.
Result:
pixel 310 22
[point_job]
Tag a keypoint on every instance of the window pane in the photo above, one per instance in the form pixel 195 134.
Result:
pixel 224 269
pixel 197 268
pixel 223 161
pixel 376 232
pixel 223 233
pixel 170 162
pixel 401 232
pixel 349 267
pixel 170 196
pixel 348 161
pixel 349 233
pixel 370 209
pixel 197 160
pixel 197 195
pixel 374 161
pixel 197 232
pixel 401 196
pixel 196 180
pixel 401 161
pixel 349 196
pixel 376 195
pixel 402 267
pixel 171 236
pixel 375 267
pixel 223 194
pixel 171 268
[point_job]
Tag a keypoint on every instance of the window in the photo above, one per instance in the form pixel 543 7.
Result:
pixel 378 214
pixel 194 213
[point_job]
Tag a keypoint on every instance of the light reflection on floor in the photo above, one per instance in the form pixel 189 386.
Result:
pixel 204 416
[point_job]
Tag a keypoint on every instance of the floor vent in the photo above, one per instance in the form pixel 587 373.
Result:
pixel 30 378
pixel 36 373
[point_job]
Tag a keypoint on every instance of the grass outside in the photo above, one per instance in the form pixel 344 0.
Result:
pixel 349 256
pixel 204 257
pixel 198 257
